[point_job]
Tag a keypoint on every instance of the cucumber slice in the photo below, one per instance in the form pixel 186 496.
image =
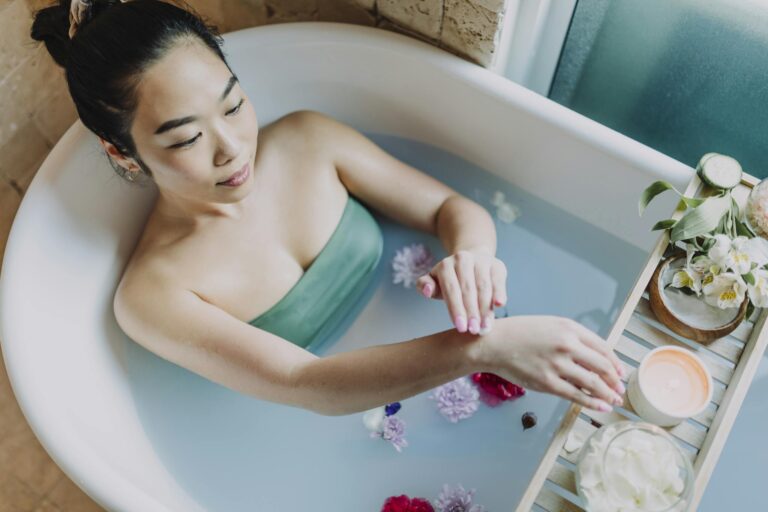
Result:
pixel 719 171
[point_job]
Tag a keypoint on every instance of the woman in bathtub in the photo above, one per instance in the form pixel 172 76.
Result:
pixel 261 235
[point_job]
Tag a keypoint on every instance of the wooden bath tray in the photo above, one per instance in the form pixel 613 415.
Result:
pixel 732 360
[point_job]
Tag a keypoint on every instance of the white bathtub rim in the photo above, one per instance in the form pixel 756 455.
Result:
pixel 658 165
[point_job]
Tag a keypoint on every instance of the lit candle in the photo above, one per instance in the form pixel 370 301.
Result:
pixel 670 385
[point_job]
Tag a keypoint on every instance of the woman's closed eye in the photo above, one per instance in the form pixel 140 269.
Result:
pixel 186 143
pixel 233 111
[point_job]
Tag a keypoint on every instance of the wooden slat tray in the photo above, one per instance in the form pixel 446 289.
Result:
pixel 732 361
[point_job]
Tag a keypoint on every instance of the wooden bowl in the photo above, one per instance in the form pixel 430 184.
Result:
pixel 668 318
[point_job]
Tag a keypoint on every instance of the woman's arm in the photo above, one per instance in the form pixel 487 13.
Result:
pixel 550 354
pixel 471 280
pixel 180 327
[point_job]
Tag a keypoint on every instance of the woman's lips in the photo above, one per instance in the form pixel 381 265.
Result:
pixel 238 178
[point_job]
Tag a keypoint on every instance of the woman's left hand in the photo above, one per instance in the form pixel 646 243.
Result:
pixel 472 282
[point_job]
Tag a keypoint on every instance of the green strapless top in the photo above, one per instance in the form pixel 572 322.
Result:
pixel 328 289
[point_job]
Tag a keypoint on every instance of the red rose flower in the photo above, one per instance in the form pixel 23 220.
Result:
pixel 494 389
pixel 403 503
pixel 420 505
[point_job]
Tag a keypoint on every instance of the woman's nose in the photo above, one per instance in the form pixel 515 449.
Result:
pixel 227 147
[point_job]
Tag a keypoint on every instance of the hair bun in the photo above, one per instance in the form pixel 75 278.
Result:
pixel 96 7
pixel 51 25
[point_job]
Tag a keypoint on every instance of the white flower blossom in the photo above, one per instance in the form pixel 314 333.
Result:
pixel 374 419
pixel 725 290
pixel 755 248
pixel 758 292
pixel 720 251
pixel 505 211
pixel 741 254
pixel 687 278
pixel 702 264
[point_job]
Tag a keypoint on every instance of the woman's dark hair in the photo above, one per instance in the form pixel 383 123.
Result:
pixel 104 60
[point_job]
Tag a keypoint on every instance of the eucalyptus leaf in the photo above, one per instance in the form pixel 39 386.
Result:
pixel 702 219
pixel 749 278
pixel 692 202
pixel 735 208
pixel 743 230
pixel 654 189
pixel 664 224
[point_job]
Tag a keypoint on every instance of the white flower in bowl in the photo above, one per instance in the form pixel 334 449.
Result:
pixel 687 278
pixel 702 264
pixel 725 290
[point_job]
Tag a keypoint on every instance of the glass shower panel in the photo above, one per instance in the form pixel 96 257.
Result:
pixel 685 77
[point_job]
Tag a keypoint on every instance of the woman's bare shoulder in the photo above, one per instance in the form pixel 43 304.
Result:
pixel 155 264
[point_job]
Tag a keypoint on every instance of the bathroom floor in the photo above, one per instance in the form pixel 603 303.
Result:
pixel 29 480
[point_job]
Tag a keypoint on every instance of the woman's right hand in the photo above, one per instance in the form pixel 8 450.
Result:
pixel 556 355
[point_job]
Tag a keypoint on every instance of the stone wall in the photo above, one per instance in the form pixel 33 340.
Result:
pixel 469 28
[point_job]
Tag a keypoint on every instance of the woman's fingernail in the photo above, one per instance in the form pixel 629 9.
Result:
pixel 427 290
pixel 461 323
pixel 474 325
pixel 487 324
pixel 617 400
pixel 604 407
pixel 620 389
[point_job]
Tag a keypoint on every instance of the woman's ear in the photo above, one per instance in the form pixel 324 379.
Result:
pixel 126 162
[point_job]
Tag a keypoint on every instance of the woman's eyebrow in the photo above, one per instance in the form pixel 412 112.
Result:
pixel 175 123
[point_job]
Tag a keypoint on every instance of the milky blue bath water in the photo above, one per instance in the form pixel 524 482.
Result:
pixel 234 453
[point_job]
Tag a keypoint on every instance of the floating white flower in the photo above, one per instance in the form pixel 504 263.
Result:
pixel 410 263
pixel 505 211
pixel 724 290
pixel 758 292
pixel 374 419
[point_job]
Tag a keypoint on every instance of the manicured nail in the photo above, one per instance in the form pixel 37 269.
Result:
pixel 474 325
pixel 604 407
pixel 617 400
pixel 427 290
pixel 620 389
pixel 461 323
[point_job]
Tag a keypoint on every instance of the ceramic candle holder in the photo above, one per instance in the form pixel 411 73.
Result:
pixel 670 385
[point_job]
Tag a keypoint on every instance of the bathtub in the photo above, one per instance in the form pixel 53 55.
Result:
pixel 78 223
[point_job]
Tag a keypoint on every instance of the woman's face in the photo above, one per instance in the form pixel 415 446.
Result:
pixel 194 126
